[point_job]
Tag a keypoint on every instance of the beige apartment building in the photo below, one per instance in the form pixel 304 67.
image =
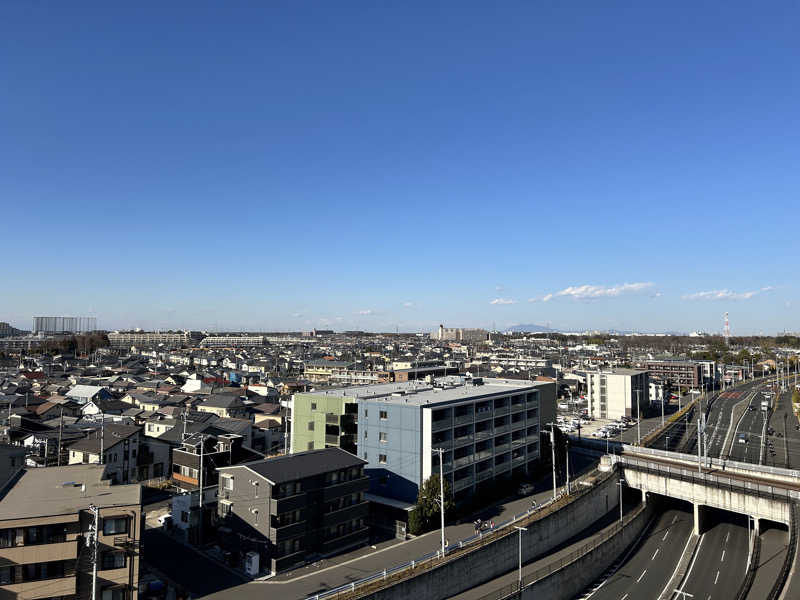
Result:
pixel 45 520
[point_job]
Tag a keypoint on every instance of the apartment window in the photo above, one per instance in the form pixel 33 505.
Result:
pixel 6 575
pixel 365 434
pixel 224 508
pixel 115 525
pixel 311 425
pixel 384 415
pixel 382 459
pixel 8 538
pixel 228 482
pixel 313 406
pixel 117 593
pixel 382 436
pixel 113 560
pixel 366 413
pixel 310 445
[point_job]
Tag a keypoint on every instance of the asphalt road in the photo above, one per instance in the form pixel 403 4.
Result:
pixel 774 545
pixel 646 572
pixel 783 421
pixel 751 425
pixel 718 567
pixel 330 573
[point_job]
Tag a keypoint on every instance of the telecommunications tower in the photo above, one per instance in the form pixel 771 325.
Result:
pixel 726 332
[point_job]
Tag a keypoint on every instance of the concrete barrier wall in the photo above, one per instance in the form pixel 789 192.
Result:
pixel 501 556
pixel 576 576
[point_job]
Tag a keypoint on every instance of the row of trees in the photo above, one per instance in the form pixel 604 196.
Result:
pixel 77 344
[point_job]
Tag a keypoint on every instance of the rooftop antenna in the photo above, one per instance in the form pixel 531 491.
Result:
pixel 726 332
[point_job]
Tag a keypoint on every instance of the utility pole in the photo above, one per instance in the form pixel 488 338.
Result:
pixel 200 529
pixel 441 492
pixel 60 433
pixel 553 452
pixel 566 452
pixel 699 444
pixel 638 421
pixel 520 529
pixel 102 437
pixel 92 539
pixel 620 483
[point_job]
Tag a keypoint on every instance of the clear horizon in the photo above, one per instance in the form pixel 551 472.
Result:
pixel 356 166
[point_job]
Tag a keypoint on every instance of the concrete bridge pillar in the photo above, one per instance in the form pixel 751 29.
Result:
pixel 698 513
pixel 644 497
pixel 756 524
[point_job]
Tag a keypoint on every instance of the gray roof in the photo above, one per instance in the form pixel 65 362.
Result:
pixel 112 435
pixel 301 465
pixel 222 401
pixel 447 389
pixel 57 491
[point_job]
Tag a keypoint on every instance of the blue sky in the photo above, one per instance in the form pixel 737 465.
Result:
pixel 284 165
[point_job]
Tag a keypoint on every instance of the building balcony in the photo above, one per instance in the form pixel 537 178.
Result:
pixel 515 408
pixel 502 467
pixel 285 532
pixel 498 429
pixel 483 475
pixel 463 440
pixel 344 488
pixel 33 553
pixel 484 435
pixel 462 419
pixel 464 460
pixel 532 404
pixel 501 410
pixel 500 448
pixel 279 506
pixel 331 419
pixel 482 415
pixel 332 439
pixel 463 483
pixel 348 513
pixel 446 444
pixel 518 424
pixel 518 460
pixel 487 453
pixel 441 424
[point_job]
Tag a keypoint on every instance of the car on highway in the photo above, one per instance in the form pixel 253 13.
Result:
pixel 742 438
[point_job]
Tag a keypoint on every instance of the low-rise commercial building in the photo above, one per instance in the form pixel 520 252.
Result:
pixel 687 373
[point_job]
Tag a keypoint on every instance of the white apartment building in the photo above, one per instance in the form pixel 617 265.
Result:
pixel 615 393
pixel 142 339
pixel 232 341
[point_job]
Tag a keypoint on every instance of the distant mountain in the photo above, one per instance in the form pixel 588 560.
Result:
pixel 531 329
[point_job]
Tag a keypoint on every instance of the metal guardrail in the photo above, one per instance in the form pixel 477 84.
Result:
pixel 431 560
pixel 714 479
pixel 780 581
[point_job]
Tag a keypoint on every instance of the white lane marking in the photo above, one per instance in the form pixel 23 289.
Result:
pixel 727 537
pixel 694 560
pixel 625 596
pixel 640 576
pixel 654 553
pixel 716 578
pixel 723 557
pixel 665 535
pixel 675 518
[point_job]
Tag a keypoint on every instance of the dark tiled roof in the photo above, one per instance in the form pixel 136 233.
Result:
pixel 113 435
pixel 304 464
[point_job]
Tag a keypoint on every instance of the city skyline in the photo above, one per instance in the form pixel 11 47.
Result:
pixel 396 167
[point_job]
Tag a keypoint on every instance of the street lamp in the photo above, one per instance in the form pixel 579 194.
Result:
pixel 620 483
pixel 520 529
pixel 666 446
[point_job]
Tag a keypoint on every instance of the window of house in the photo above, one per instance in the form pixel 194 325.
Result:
pixel 184 516
pixel 382 459
pixel 365 434
pixel 310 445
pixel 382 436
pixel 117 593
pixel 5 575
pixel 228 482
pixel 224 508
pixel 8 538
pixel 313 406
pixel 384 415
pixel 311 425
pixel 366 413
pixel 115 525
pixel 113 560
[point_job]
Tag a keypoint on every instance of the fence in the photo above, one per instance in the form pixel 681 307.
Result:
pixel 432 560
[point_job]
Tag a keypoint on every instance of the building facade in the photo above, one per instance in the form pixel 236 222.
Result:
pixel 143 339
pixel 50 325
pixel 45 521
pixel 617 393
pixel 291 507
pixel 686 373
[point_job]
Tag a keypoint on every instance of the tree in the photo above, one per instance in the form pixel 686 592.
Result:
pixel 426 514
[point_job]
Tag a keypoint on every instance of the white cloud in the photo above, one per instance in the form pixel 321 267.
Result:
pixel 590 292
pixel 499 301
pixel 297 315
pixel 725 294
pixel 366 312
pixel 408 304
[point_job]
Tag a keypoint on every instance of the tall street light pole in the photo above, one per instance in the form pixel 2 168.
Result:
pixel 520 529
pixel 620 483
pixel 441 492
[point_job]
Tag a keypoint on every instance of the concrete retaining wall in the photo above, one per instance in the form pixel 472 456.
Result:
pixel 500 556
pixel 576 576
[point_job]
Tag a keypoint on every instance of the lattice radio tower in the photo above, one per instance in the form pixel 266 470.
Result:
pixel 726 332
